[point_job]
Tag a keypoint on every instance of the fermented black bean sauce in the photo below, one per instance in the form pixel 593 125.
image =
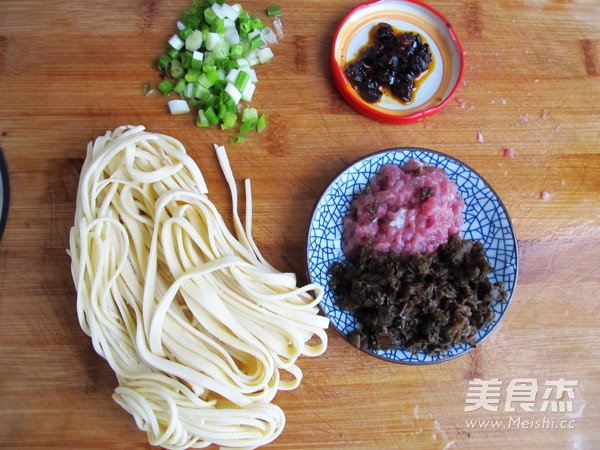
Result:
pixel 392 61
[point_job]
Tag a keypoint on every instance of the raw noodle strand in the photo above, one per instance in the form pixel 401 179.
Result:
pixel 196 324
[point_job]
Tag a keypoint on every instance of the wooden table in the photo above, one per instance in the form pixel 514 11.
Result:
pixel 71 69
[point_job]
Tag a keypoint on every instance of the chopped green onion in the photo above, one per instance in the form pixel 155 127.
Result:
pixel 209 16
pixel 208 64
pixel 256 23
pixel 248 126
pixel 221 50
pixel 261 123
pixel 184 34
pixel 273 11
pixel 230 12
pixel 237 139
pixel 233 92
pixel 236 51
pixel 212 39
pixel 248 92
pixel 204 81
pixel 265 55
pixel 249 114
pixel 229 65
pixel 192 75
pixel 244 17
pixel 218 26
pixel 186 59
pixel 232 35
pixel 176 69
pixel 229 120
pixel 179 107
pixel 200 92
pixel 197 58
pixel 218 9
pixel 162 64
pixel 231 105
pixel 211 115
pixel 211 73
pixel 232 75
pixel 255 41
pixel 176 42
pixel 194 41
pixel 241 80
pixel 189 91
pixel 180 86
pixel 251 73
pixel 202 120
pixel 165 87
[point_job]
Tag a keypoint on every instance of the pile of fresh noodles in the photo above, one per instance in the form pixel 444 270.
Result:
pixel 200 330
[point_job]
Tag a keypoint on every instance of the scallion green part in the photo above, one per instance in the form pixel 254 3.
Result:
pixel 237 139
pixel 273 11
pixel 261 123
pixel 165 87
pixel 180 87
pixel 211 115
pixel 248 125
pixel 242 80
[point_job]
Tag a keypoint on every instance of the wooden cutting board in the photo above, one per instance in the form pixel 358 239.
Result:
pixel 70 70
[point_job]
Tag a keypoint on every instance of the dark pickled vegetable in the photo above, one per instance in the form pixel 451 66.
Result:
pixel 428 303
pixel 391 61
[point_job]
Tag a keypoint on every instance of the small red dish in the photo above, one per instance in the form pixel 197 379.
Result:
pixel 407 15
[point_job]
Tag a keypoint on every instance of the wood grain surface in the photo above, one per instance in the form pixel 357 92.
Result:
pixel 72 69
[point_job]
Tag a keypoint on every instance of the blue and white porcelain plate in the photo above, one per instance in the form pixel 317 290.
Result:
pixel 485 219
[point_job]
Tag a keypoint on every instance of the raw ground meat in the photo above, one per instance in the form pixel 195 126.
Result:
pixel 405 210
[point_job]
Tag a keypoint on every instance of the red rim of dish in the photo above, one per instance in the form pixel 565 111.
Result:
pixel 340 79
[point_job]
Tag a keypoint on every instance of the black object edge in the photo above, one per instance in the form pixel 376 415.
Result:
pixel 5 193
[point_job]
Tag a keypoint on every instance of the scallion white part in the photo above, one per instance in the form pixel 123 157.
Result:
pixel 253 33
pixel 232 36
pixel 278 27
pixel 221 50
pixel 179 107
pixel 228 23
pixel 218 10
pixel 265 55
pixel 212 40
pixel 176 42
pixel 248 92
pixel 243 62
pixel 180 25
pixel 232 75
pixel 233 92
pixel 194 41
pixel 198 56
pixel 229 11
pixel 268 36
